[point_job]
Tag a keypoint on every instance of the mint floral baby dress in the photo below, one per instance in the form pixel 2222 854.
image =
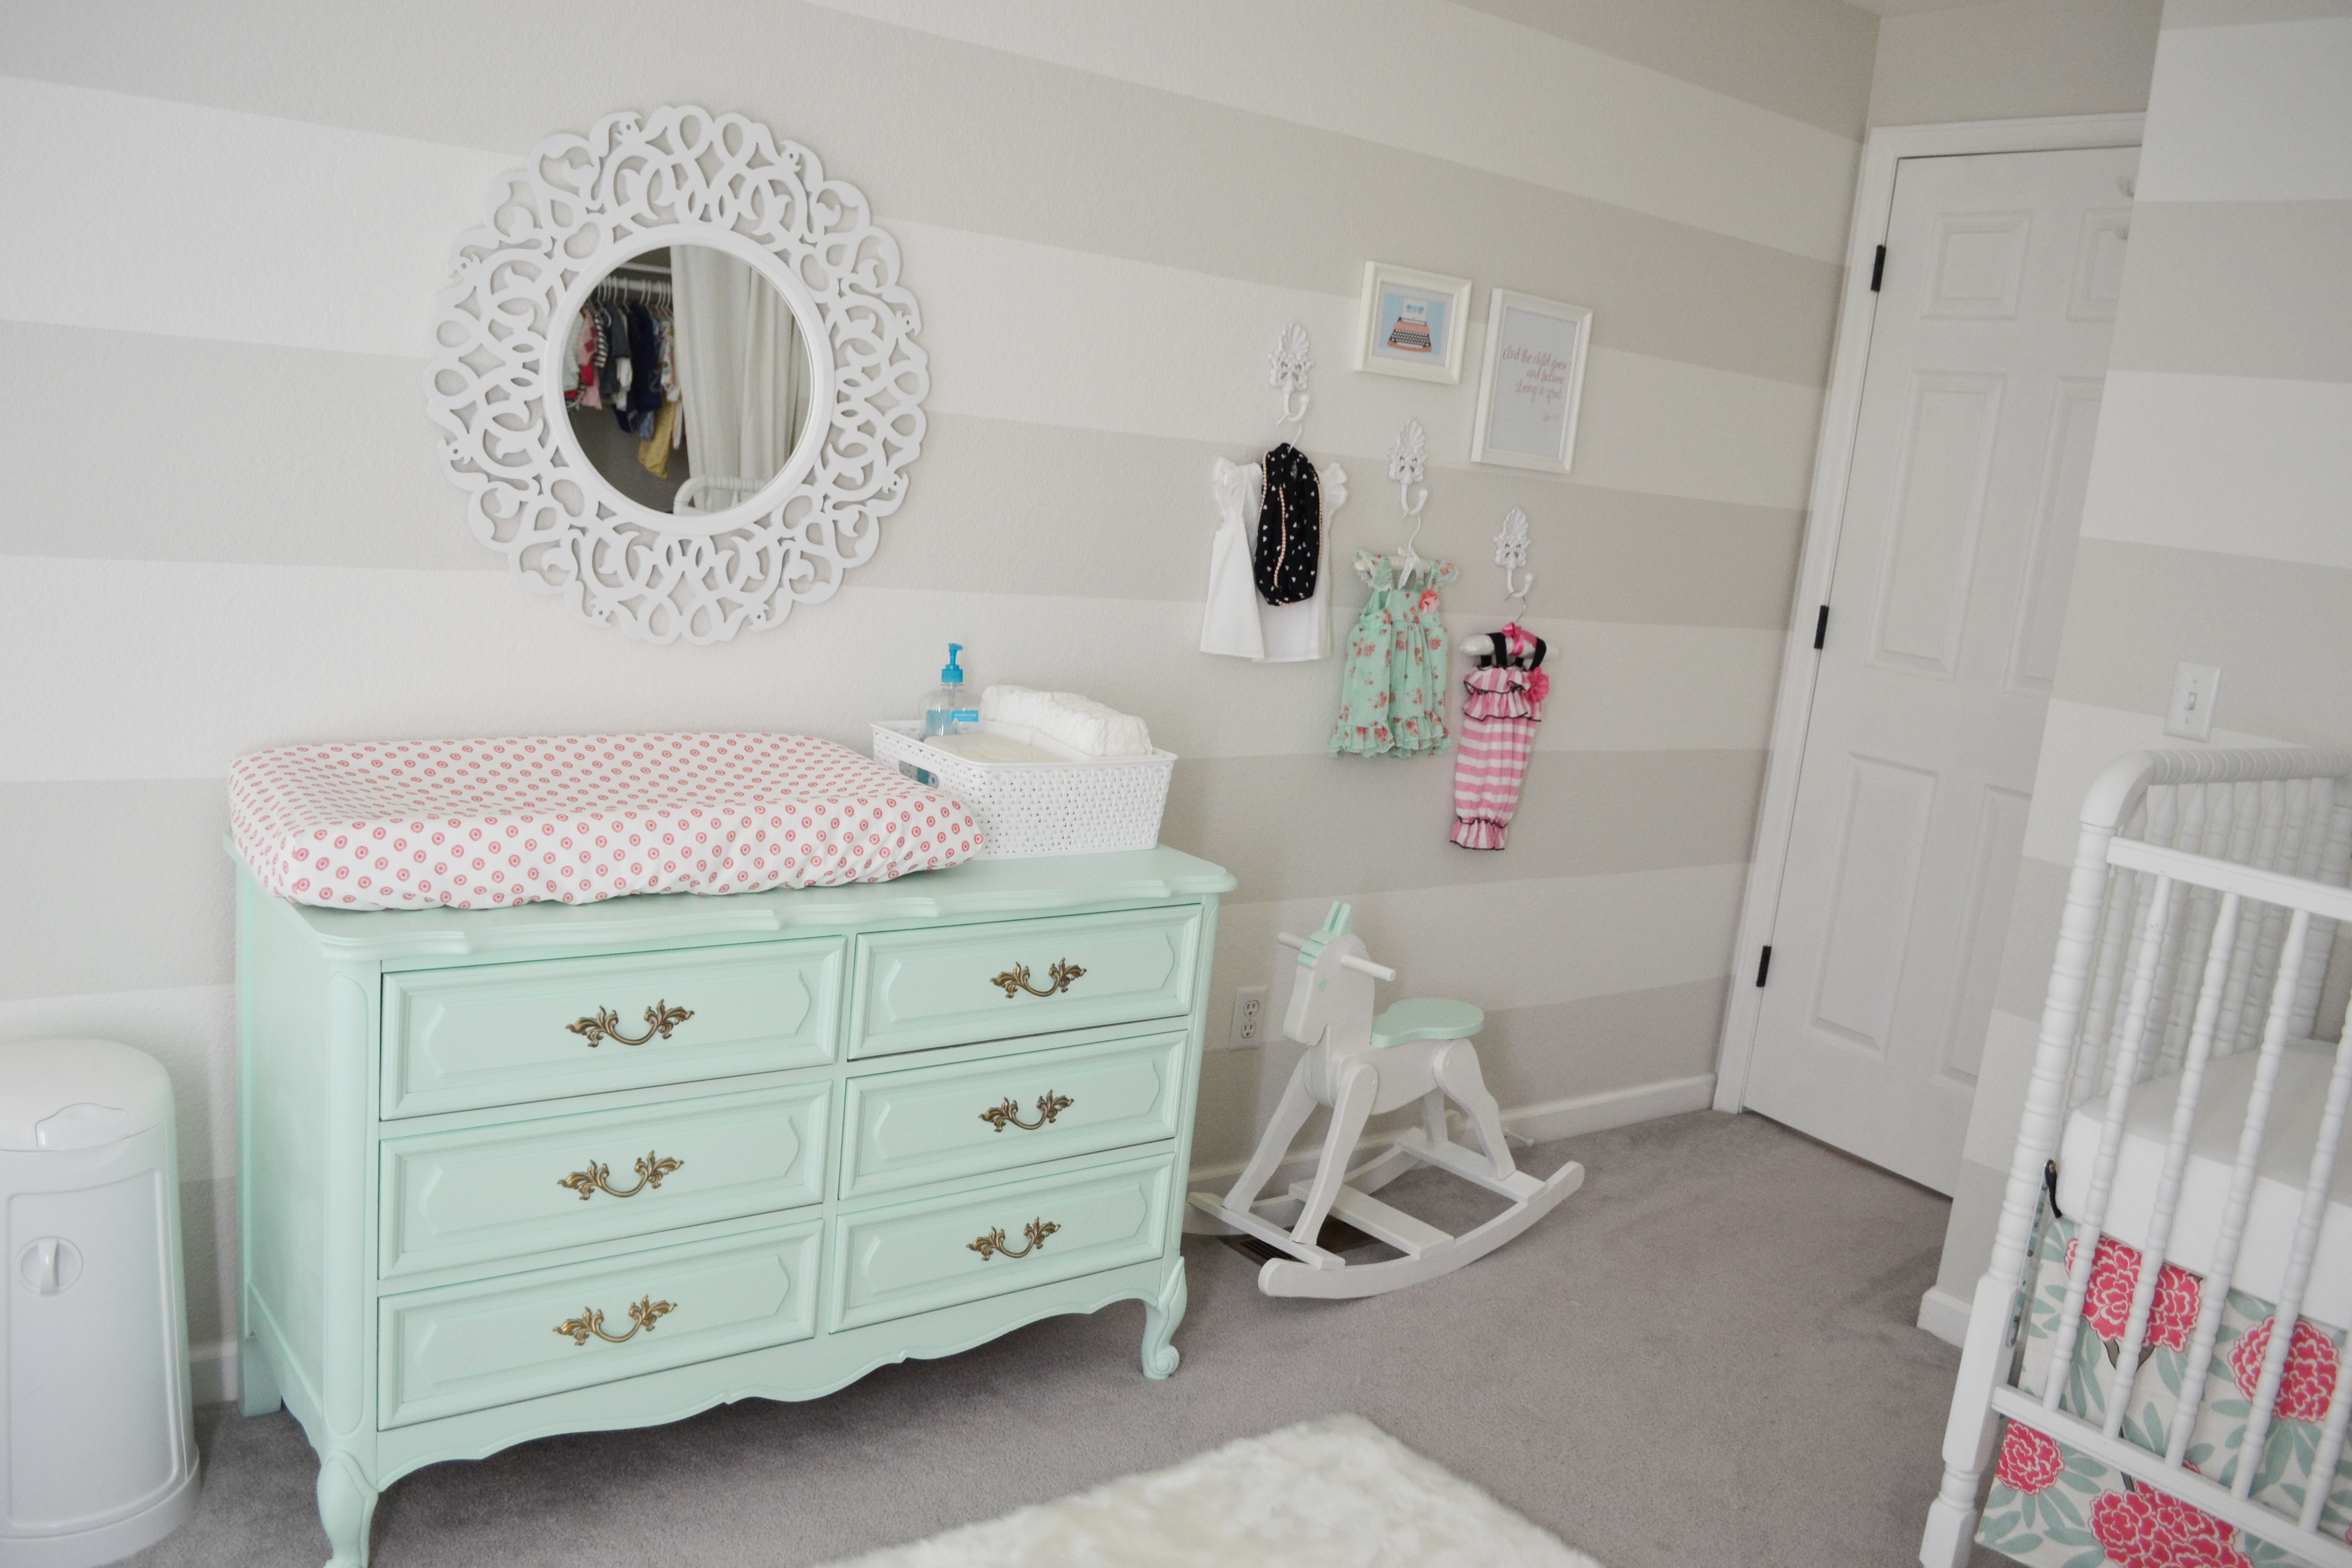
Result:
pixel 1393 691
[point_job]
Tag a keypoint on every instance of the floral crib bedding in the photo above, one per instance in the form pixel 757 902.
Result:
pixel 2053 1507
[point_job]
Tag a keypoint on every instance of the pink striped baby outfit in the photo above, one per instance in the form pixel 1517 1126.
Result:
pixel 1502 703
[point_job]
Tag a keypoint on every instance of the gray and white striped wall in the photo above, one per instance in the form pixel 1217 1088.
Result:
pixel 223 528
pixel 2218 525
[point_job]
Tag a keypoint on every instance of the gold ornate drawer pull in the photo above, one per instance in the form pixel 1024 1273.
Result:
pixel 1049 1106
pixel 992 1243
pixel 643 1315
pixel 1015 980
pixel 597 1177
pixel 661 1019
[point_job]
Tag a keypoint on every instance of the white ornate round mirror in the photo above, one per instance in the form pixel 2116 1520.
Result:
pixel 680 375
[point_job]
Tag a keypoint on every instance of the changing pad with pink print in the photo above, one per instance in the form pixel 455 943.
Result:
pixel 492 823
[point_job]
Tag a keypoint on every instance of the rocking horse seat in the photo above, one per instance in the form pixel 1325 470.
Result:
pixel 1427 1018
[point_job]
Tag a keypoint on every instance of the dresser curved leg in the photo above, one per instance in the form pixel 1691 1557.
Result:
pixel 1159 1320
pixel 346 1508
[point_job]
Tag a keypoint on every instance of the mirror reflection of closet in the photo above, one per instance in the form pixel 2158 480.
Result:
pixel 685 379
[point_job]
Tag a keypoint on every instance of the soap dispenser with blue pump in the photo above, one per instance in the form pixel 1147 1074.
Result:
pixel 946 713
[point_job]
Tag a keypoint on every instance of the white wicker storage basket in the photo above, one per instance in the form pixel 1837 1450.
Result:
pixel 1088 805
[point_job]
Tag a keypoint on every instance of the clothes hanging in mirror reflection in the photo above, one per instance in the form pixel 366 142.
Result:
pixel 621 356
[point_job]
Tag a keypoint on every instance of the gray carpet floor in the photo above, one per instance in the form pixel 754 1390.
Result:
pixel 1705 1359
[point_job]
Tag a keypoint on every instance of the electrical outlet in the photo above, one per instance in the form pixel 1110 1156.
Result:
pixel 2191 715
pixel 1249 1018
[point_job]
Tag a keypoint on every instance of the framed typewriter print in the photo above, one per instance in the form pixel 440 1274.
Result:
pixel 1531 383
pixel 1411 322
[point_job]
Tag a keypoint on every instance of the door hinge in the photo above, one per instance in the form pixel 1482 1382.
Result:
pixel 1764 964
pixel 1822 628
pixel 1878 270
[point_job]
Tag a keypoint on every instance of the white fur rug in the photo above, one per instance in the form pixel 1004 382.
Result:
pixel 1334 1493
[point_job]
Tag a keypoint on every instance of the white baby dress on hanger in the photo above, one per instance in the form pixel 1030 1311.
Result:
pixel 1238 623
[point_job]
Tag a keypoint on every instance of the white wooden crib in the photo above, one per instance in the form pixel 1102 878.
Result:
pixel 2178 1105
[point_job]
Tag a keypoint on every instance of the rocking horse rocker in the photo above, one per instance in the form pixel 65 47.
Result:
pixel 1358 1064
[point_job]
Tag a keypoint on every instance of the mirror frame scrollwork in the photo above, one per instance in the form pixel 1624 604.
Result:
pixel 678 176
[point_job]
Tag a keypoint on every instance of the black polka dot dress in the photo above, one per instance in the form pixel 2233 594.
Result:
pixel 1289 528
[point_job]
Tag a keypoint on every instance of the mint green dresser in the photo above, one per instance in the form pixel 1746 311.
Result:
pixel 509 1172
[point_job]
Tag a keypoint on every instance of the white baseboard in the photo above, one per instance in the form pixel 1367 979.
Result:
pixel 1945 1315
pixel 212 1372
pixel 1538 1124
pixel 1581 1113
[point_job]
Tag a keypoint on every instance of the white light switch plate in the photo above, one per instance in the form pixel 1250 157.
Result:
pixel 1249 1018
pixel 2194 688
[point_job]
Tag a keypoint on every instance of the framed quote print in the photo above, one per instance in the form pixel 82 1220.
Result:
pixel 1410 323
pixel 1533 380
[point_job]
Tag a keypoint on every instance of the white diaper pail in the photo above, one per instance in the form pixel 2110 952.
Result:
pixel 98 1453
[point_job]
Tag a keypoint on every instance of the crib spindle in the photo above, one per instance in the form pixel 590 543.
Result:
pixel 2339 1411
pixel 2164 826
pixel 2330 1451
pixel 2089 1223
pixel 2110 939
pixel 2275 836
pixel 2178 990
pixel 2226 825
pixel 2214 1292
pixel 2116 925
pixel 2299 851
pixel 2176 1159
pixel 2289 1310
pixel 2195 814
pixel 2335 862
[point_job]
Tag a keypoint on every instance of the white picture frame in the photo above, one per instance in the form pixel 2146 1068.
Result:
pixel 1411 323
pixel 1532 383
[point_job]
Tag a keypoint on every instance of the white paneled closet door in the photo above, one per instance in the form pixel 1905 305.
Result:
pixel 1979 403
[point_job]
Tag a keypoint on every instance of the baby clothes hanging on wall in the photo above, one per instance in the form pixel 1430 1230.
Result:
pixel 1392 692
pixel 1238 623
pixel 1502 703
pixel 1289 529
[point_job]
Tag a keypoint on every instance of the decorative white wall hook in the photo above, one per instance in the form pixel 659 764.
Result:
pixel 1286 368
pixel 1407 458
pixel 1511 554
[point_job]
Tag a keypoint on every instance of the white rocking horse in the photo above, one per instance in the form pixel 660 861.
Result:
pixel 1358 1064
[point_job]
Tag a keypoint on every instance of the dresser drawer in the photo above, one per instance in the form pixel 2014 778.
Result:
pixel 911 1257
pixel 468 1347
pixel 505 1034
pixel 494 1193
pixel 954 984
pixel 931 1124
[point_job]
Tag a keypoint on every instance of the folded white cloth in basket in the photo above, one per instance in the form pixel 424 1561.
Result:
pixel 1080 723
